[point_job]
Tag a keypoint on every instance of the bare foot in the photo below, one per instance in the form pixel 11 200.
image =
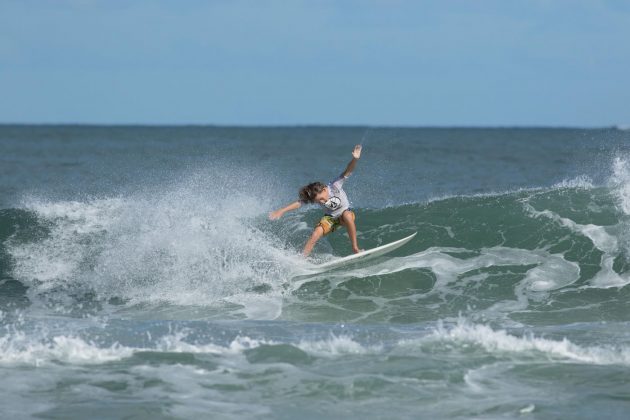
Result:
pixel 357 250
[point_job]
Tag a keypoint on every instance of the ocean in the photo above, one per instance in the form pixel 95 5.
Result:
pixel 141 278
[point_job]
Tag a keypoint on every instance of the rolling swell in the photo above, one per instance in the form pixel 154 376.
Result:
pixel 535 256
pixel 525 256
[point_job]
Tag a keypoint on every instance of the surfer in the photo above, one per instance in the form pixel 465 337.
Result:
pixel 336 206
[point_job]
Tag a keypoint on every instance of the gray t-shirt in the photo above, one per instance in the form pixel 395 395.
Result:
pixel 338 201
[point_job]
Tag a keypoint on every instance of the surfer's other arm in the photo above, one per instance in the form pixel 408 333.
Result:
pixel 278 213
pixel 356 154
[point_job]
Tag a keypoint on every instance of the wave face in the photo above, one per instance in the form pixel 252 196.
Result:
pixel 156 284
pixel 525 255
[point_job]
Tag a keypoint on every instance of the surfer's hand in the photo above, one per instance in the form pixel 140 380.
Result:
pixel 274 215
pixel 356 153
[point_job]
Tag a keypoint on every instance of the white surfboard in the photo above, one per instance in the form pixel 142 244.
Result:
pixel 364 255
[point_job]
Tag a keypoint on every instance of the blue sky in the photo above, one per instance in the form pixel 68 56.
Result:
pixel 442 62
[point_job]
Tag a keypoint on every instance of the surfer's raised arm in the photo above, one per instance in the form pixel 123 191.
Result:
pixel 356 154
pixel 278 213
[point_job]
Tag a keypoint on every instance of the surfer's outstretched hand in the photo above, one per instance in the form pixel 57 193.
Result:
pixel 356 153
pixel 275 215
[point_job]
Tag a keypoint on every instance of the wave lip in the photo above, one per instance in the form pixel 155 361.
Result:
pixel 64 349
pixel 502 342
pixel 337 346
pixel 18 349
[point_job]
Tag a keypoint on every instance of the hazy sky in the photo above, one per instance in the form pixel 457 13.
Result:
pixel 442 62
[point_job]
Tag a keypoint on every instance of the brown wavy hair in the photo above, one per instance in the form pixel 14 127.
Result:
pixel 308 192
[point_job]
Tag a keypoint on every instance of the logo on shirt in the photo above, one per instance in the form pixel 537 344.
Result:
pixel 333 203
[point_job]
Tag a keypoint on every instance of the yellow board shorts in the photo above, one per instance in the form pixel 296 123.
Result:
pixel 330 224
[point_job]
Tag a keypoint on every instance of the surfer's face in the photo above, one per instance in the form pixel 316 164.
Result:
pixel 323 196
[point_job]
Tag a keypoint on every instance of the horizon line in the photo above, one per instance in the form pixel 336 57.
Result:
pixel 621 127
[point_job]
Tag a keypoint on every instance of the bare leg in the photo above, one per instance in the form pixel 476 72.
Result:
pixel 318 232
pixel 348 222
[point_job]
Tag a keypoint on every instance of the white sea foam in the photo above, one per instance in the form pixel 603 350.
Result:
pixel 604 241
pixel 192 243
pixel 336 346
pixel 18 348
pixel 581 181
pixel 620 182
pixel 255 306
pixel 551 271
pixel 501 341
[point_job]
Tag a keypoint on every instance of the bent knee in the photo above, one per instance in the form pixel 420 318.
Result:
pixel 348 216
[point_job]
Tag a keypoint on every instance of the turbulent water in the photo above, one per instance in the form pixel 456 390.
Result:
pixel 141 278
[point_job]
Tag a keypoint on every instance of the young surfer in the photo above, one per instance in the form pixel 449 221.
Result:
pixel 336 206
